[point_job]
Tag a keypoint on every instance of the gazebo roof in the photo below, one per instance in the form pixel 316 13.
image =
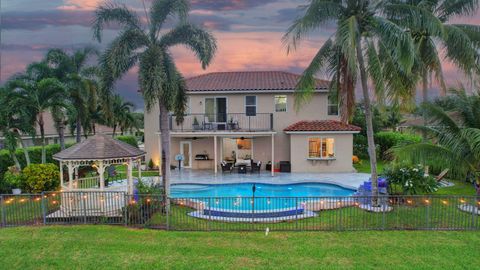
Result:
pixel 99 147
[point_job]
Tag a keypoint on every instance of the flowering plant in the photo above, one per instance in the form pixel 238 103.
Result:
pixel 410 180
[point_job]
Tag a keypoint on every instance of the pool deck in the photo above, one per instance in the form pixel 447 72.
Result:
pixel 346 180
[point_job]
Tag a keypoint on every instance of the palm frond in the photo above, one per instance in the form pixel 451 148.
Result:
pixel 162 9
pixel 112 12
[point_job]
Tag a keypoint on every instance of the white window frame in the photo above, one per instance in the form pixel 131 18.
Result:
pixel 245 104
pixel 321 138
pixel 275 103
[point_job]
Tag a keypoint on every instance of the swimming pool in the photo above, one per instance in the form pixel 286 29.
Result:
pixel 268 197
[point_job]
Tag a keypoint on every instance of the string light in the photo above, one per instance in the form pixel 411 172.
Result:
pixel 445 202
pixel 409 201
pixel 427 201
pixel 54 202
pixel 462 200
pixel 148 200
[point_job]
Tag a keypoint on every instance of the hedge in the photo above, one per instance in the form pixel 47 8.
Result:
pixel 388 139
pixel 132 140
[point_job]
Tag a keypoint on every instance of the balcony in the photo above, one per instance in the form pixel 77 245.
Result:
pixel 223 122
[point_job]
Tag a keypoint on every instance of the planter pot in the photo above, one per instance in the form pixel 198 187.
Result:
pixel 16 191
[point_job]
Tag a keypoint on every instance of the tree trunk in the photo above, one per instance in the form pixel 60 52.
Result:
pixel 368 118
pixel 61 134
pixel 24 147
pixel 165 142
pixel 41 123
pixel 424 99
pixel 15 160
pixel 114 130
pixel 25 151
pixel 79 129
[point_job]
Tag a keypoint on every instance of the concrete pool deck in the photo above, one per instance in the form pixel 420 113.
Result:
pixel 346 180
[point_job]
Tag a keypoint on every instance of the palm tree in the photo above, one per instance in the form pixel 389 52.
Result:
pixel 461 42
pixel 160 81
pixel 78 77
pixel 38 95
pixel 122 115
pixel 361 31
pixel 15 121
pixel 455 132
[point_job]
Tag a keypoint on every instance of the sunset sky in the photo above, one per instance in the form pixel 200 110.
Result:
pixel 248 33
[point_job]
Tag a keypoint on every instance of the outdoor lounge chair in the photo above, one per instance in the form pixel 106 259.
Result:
pixel 256 166
pixel 226 167
pixel 441 175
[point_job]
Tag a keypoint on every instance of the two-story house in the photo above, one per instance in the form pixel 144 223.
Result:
pixel 241 116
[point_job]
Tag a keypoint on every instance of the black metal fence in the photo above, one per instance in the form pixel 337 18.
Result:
pixel 429 212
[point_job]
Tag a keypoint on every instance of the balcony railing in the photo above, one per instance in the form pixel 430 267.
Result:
pixel 231 122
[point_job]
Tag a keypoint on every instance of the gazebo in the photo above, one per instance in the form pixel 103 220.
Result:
pixel 98 152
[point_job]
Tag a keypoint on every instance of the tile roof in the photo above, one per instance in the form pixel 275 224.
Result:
pixel 99 147
pixel 248 81
pixel 325 125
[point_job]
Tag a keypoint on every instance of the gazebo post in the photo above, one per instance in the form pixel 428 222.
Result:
pixel 70 175
pixel 139 169
pixel 129 177
pixel 101 171
pixel 61 175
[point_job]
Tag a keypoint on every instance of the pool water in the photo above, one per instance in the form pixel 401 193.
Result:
pixel 238 197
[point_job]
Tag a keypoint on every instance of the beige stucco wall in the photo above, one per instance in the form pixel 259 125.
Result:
pixel 315 110
pixel 343 154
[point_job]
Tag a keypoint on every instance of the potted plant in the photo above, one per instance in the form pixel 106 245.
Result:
pixel 13 178
pixel 196 125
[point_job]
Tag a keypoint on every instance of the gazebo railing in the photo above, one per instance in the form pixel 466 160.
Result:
pixel 85 183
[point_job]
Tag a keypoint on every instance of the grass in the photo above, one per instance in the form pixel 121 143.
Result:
pixel 108 247
pixel 122 170
pixel 364 166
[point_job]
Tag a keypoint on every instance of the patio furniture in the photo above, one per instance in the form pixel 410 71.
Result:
pixel 226 167
pixel 242 169
pixel 256 166
pixel 268 166
pixel 285 166
pixel 207 125
pixel 246 162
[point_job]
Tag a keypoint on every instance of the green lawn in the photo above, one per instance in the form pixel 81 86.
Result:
pixel 364 166
pixel 104 247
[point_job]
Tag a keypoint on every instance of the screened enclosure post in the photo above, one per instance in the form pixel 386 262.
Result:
pixel 2 205
pixel 44 210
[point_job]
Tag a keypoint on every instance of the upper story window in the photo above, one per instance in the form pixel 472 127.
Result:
pixel 281 103
pixel 332 106
pixel 251 105
pixel 321 148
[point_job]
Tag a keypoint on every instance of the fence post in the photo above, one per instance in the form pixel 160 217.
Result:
pixel 474 204
pixel 44 212
pixel 3 213
pixel 125 211
pixel 167 211
pixel 296 213
pixel 209 213
pixel 427 212
pixel 384 212
pixel 84 200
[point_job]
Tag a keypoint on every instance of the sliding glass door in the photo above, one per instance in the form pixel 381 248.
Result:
pixel 216 109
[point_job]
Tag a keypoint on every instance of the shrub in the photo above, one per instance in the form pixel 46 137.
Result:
pixel 409 180
pixel 150 165
pixel 13 178
pixel 386 140
pixel 41 177
pixel 132 140
pixel 355 159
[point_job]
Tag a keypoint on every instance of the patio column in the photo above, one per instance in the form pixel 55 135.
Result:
pixel 129 177
pixel 139 169
pixel 61 175
pixel 273 155
pixel 215 153
pixel 101 172
pixel 70 176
